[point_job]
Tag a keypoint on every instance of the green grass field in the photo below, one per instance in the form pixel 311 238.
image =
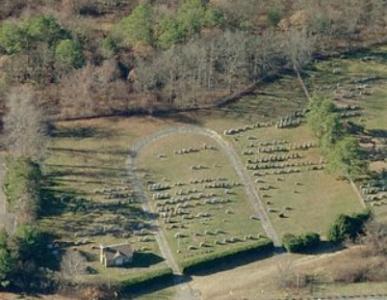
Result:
pixel 93 202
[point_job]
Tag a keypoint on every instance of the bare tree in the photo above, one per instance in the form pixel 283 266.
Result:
pixel 375 239
pixel 73 264
pixel 299 46
pixel 25 124
pixel 288 278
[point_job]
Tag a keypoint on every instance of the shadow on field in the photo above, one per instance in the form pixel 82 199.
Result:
pixel 179 117
pixel 325 247
pixel 79 132
pixel 158 285
pixel 236 261
pixel 145 260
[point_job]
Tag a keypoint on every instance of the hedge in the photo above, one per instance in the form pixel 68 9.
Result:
pixel 301 243
pixel 213 259
pixel 146 278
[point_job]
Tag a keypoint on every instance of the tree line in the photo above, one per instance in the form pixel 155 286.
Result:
pixel 62 54
pixel 26 261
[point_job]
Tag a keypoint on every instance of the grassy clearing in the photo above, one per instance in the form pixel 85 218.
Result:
pixel 91 194
pixel 229 213
pixel 304 200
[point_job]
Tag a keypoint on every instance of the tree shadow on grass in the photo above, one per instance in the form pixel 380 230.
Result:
pixel 179 117
pixel 325 247
pixel 79 132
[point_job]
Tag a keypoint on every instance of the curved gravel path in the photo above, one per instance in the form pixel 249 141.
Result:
pixel 250 188
pixel 184 289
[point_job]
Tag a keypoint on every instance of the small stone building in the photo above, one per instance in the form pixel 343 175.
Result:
pixel 116 255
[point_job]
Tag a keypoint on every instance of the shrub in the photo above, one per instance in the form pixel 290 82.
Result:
pixel 348 227
pixel 301 243
pixel 68 53
pixel 214 259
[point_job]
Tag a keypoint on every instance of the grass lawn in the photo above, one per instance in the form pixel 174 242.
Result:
pixel 92 202
pixel 226 220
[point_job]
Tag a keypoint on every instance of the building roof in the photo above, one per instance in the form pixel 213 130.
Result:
pixel 115 251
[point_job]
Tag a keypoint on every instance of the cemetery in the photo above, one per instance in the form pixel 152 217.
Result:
pixel 203 210
pixel 195 194
pixel 288 170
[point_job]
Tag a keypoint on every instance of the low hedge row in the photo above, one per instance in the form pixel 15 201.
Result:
pixel 213 259
pixel 146 278
pixel 301 243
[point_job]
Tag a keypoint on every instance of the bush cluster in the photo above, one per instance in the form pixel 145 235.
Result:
pixel 348 227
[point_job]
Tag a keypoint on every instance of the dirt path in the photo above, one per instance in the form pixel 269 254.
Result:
pixel 250 189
